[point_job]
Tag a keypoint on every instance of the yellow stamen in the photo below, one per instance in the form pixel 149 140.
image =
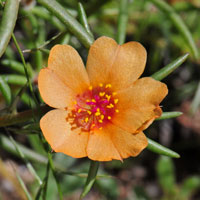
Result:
pixel 87 100
pixel 100 128
pixel 93 125
pixel 89 112
pixel 108 97
pixel 108 86
pixel 116 110
pixel 102 117
pixel 110 106
pixel 100 84
pixel 100 121
pixel 93 100
pixel 116 101
pixel 75 102
pixel 97 113
pixel 90 88
pixel 109 117
pixel 79 110
pixel 86 119
pixel 98 109
pixel 114 93
pixel 101 94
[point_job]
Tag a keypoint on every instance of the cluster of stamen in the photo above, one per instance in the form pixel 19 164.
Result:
pixel 94 108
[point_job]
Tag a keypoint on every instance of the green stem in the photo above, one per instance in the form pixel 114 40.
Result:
pixel 8 23
pixel 11 119
pixel 70 22
pixel 94 165
pixel 25 68
pixel 55 175
pixel 122 21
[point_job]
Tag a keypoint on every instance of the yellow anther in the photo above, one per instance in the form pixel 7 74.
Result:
pixel 116 101
pixel 75 102
pixel 100 84
pixel 87 100
pixel 90 87
pixel 97 113
pixel 100 121
pixel 114 93
pixel 86 119
pixel 89 112
pixel 93 125
pixel 116 110
pixel 102 117
pixel 79 110
pixel 110 106
pixel 101 94
pixel 108 86
pixel 98 109
pixel 93 100
pixel 100 128
pixel 108 97
pixel 109 117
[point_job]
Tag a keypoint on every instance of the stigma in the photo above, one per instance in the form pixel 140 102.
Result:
pixel 94 108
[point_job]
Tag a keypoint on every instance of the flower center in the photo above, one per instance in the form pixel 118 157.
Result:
pixel 94 108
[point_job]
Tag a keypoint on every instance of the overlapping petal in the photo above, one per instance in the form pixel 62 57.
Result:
pixel 53 91
pixel 119 65
pixel 100 146
pixel 139 104
pixel 57 131
pixel 68 66
pixel 114 143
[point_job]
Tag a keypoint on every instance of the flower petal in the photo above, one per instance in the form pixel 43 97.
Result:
pixel 57 131
pixel 126 143
pixel 68 65
pixel 53 91
pixel 119 65
pixel 101 148
pixel 139 104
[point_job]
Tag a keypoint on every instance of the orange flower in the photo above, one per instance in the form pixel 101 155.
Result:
pixel 102 110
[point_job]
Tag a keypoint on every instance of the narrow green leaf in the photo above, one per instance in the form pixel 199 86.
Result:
pixel 94 165
pixel 122 21
pixel 14 79
pixel 25 68
pixel 44 14
pixel 189 186
pixel 5 90
pixel 23 186
pixel 158 148
pixel 83 18
pixel 28 153
pixel 196 101
pixel 70 22
pixel 8 23
pixel 28 164
pixel 168 69
pixel 168 115
pixel 14 65
pixel 179 23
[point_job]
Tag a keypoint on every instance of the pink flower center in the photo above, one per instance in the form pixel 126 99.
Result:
pixel 94 108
